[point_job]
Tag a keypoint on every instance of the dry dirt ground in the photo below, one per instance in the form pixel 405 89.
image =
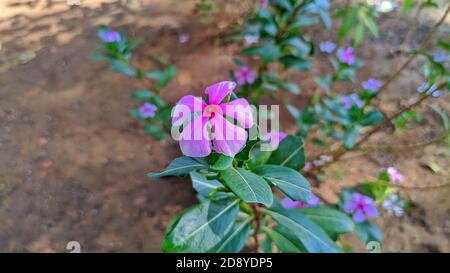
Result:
pixel 73 163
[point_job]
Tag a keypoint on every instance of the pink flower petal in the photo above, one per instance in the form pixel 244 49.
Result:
pixel 195 140
pixel 185 107
pixel 229 139
pixel 240 110
pixel 217 92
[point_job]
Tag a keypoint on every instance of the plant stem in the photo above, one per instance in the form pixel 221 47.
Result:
pixel 413 56
pixel 257 225
pixel 386 121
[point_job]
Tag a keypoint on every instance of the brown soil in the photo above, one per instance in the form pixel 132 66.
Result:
pixel 73 163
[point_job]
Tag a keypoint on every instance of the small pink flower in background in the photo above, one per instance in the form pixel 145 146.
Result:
pixel 308 166
pixel 346 55
pixel 265 4
pixel 46 163
pixel 206 122
pixel 288 203
pixel 372 85
pixel 394 175
pixel 148 110
pixel 43 141
pixel 245 75
pixel 251 39
pixel 184 37
pixel 274 138
pixel 362 207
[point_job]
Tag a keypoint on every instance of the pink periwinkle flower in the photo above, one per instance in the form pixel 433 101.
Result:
pixel 394 175
pixel 147 110
pixel 346 55
pixel 308 166
pixel 274 138
pixel 372 85
pixel 245 75
pixel 288 203
pixel 110 36
pixel 362 207
pixel 204 123
pixel 265 4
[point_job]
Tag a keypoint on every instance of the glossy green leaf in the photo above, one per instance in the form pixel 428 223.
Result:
pixel 248 186
pixel 289 181
pixel 203 185
pixel 290 153
pixel 223 162
pixel 329 219
pixel 310 234
pixel 201 227
pixel 123 68
pixel 235 239
pixel 368 231
pixel 283 243
pixel 181 166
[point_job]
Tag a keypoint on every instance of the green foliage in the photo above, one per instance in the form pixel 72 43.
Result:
pixel 119 53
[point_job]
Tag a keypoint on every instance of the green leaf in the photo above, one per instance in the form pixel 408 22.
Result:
pixel 156 132
pixel 120 67
pixel 372 117
pixel 407 4
pixel 235 239
pixel 311 235
pixel 350 137
pixel 248 186
pixel 268 51
pixel 290 153
pixel 291 87
pixel 203 185
pixel 329 219
pixel 142 94
pixel 359 34
pixel 223 162
pixel 180 166
pixel 283 244
pixel 162 77
pixel 368 231
pixel 289 181
pixel 201 227
pixel 348 23
pixel 443 44
pixel 244 154
pixel 370 23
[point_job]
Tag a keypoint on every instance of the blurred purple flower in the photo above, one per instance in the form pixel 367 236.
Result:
pixel 251 39
pixel 394 175
pixel 265 4
pixel 245 75
pixel 274 138
pixel 308 166
pixel 425 87
pixel 350 100
pixel 148 110
pixel 440 57
pixel 110 36
pixel 288 203
pixel 394 205
pixel 184 37
pixel 372 85
pixel 346 55
pixel 327 46
pixel 362 207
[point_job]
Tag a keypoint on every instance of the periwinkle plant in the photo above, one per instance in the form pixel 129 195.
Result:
pixel 117 49
pixel 235 178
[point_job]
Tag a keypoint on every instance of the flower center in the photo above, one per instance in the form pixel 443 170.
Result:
pixel 360 206
pixel 211 110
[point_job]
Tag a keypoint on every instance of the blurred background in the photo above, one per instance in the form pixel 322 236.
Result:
pixel 73 162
